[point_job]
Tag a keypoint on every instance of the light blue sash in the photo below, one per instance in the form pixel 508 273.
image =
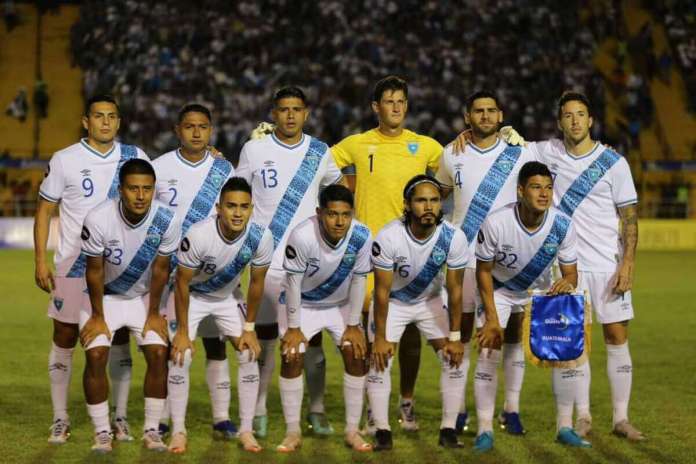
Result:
pixel 586 181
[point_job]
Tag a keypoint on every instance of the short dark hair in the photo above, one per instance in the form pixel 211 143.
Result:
pixel 235 184
pixel 135 166
pixel 290 91
pixel 531 169
pixel 569 96
pixel 480 94
pixel 194 108
pixel 335 192
pixel 392 83
pixel 102 97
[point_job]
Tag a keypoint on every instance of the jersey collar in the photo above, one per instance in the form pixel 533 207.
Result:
pixel 487 150
pixel 127 222
pixel 421 242
pixel 289 147
pixel 189 163
pixel 84 143
pixel 229 242
pixel 524 228
pixel 575 158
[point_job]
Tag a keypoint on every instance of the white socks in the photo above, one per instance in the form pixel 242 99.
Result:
pixel 120 367
pixel 378 390
pixel 59 370
pixel 466 362
pixel 153 412
pixel 619 369
pixel 99 413
pixel 315 370
pixel 267 362
pixel 247 389
pixel 291 392
pixel 485 386
pixel 582 391
pixel 217 376
pixel 564 384
pixel 178 386
pixel 513 367
pixel 353 394
pixel 452 382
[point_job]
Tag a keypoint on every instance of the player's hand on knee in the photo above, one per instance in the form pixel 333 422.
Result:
pixel 44 277
pixel 249 341
pixel 290 344
pixel 94 327
pixel 560 287
pixel 382 351
pixel 454 352
pixel 157 324
pixel 355 337
pixel 490 336
pixel 180 344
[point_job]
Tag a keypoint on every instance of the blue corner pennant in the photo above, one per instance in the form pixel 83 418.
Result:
pixel 412 147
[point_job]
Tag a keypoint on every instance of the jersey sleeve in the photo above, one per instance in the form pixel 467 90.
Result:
pixel 264 252
pixel 333 173
pixel 458 256
pixel 141 154
pixel 382 254
pixel 341 153
pixel 92 236
pixel 434 153
pixel 53 184
pixel 170 239
pixel 444 171
pixel 567 251
pixel 363 265
pixel 295 259
pixel 243 167
pixel 190 251
pixel 535 151
pixel 486 242
pixel 623 191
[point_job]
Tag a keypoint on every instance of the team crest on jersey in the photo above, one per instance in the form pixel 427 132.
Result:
pixel 349 258
pixel 412 147
pixel 439 256
pixel 313 159
pixel 551 248
pixel 153 239
pixel 245 255
pixel 216 180
pixel 505 165
pixel 594 173
pixel 58 303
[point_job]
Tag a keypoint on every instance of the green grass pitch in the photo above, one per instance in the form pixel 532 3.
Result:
pixel 663 403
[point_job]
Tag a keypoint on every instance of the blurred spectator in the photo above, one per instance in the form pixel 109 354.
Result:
pixel 6 199
pixel 41 98
pixel 10 15
pixel 19 106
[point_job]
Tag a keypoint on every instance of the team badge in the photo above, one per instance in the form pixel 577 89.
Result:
pixel 245 255
pixel 505 165
pixel 153 240
pixel 551 248
pixel 594 174
pixel 376 249
pixel 312 159
pixel 185 244
pixel 58 303
pixel 439 256
pixel 349 258
pixel 290 252
pixel 85 233
pixel 173 325
pixel 412 147
pixel 216 180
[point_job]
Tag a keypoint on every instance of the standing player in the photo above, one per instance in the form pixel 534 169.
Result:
pixel 384 159
pixel 408 256
pixel 79 177
pixel 515 248
pixel 127 243
pixel 483 179
pixel 326 258
pixel 286 171
pixel 212 257
pixel 593 185
pixel 189 180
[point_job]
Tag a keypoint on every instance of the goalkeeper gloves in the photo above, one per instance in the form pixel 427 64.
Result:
pixel 262 130
pixel 511 136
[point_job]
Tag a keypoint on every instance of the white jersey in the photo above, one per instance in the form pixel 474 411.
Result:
pixel 219 262
pixel 417 264
pixel 79 177
pixel 522 258
pixel 327 268
pixel 482 181
pixel 128 249
pixel 190 189
pixel 269 166
pixel 590 188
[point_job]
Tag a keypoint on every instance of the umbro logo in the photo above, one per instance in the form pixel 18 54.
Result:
pixel 251 378
pixel 86 172
pixel 269 163
pixel 484 377
pixel 172 182
pixel 177 379
pixel 625 369
pixel 57 367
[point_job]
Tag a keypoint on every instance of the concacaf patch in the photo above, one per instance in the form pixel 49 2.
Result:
pixel 376 249
pixel 85 233
pixel 290 252
pixel 185 244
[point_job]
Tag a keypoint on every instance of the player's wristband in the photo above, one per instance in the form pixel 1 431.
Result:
pixel 455 336
pixel 249 326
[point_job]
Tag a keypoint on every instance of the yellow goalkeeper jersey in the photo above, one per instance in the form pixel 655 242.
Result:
pixel 383 166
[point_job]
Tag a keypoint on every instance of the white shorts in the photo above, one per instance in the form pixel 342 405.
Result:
pixel 120 312
pixel 608 306
pixel 207 327
pixel 224 315
pixel 68 299
pixel 503 306
pixel 430 317
pixel 273 285
pixel 313 320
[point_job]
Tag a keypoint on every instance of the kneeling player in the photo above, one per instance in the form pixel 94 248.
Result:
pixel 408 256
pixel 211 259
pixel 515 248
pixel 126 241
pixel 326 258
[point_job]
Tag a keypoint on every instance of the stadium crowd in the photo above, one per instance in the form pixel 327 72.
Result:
pixel 156 56
pixel 680 22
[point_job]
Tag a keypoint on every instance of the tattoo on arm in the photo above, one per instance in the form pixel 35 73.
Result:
pixel 629 230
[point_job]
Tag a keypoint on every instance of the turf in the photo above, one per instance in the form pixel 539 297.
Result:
pixel 663 402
